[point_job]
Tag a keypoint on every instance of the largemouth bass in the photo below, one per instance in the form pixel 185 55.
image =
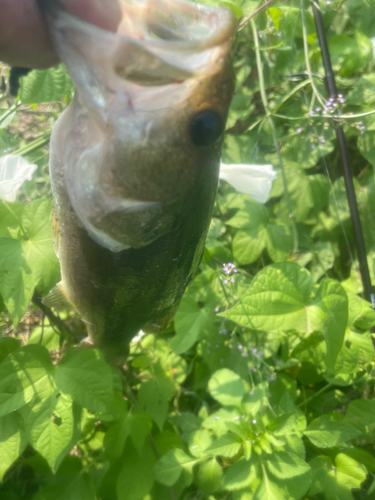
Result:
pixel 134 159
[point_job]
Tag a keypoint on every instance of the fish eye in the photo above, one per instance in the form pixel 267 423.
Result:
pixel 205 128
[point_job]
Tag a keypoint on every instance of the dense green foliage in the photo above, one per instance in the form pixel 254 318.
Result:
pixel 263 387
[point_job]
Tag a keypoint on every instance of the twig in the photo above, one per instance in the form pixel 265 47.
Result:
pixel 53 319
pixel 256 11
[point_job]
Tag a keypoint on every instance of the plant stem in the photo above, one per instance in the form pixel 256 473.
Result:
pixel 325 388
pixel 306 51
pixel 256 11
pixel 273 131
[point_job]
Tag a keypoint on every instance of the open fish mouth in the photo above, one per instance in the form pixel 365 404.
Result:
pixel 124 143
pixel 157 42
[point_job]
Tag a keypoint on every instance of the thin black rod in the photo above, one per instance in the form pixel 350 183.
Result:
pixel 368 292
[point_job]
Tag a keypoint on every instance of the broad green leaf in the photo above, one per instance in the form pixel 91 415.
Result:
pixel 69 483
pixel 323 259
pixel 227 446
pixel 199 441
pixel 26 373
pixel 366 145
pixel 191 323
pixel 153 397
pixel 13 440
pixel 286 465
pixel 28 260
pixel 279 241
pixel 136 479
pixel 51 429
pixel 279 298
pixel 45 85
pixel 86 378
pixel 251 216
pixel 268 490
pixel 349 473
pixel 46 336
pixel 166 441
pixel 209 476
pixel 276 299
pixel 336 479
pixel 169 468
pixel 360 414
pixel 362 92
pixel 238 148
pixel 326 433
pixel 239 475
pixel 329 314
pixel 7 345
pixel 226 387
pixel 248 245
pixel 349 53
pixel 254 401
pixel 218 421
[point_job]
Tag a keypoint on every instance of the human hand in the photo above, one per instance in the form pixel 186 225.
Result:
pixel 24 41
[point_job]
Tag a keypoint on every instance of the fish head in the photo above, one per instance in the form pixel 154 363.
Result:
pixel 146 125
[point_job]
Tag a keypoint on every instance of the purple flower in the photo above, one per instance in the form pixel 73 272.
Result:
pixel 299 130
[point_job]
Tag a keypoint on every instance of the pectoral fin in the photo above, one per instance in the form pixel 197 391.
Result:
pixel 57 298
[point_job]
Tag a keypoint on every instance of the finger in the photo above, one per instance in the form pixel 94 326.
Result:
pixel 24 41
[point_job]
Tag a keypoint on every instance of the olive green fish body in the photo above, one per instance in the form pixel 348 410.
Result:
pixel 135 160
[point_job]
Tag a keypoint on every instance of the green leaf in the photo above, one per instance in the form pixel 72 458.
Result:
pixel 26 373
pixel 199 441
pixel 86 378
pixel 240 475
pixel 13 440
pixel 279 241
pixel 329 314
pixel 286 465
pixel 7 345
pixel 153 397
pixel 227 446
pixel 323 259
pixel 45 85
pixel 276 299
pixel 136 479
pixel 362 92
pixel 360 414
pixel 326 433
pixel 209 476
pixel 191 323
pixel 279 299
pixel 349 473
pixel 366 145
pixel 226 387
pixel 338 479
pixel 268 490
pixel 256 399
pixel 169 468
pixel 248 245
pixel 70 483
pixel 27 261
pixel 51 429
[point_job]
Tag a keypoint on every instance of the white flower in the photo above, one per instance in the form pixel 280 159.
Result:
pixel 14 170
pixel 138 337
pixel 255 180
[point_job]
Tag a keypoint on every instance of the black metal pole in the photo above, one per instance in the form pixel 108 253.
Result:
pixel 350 192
